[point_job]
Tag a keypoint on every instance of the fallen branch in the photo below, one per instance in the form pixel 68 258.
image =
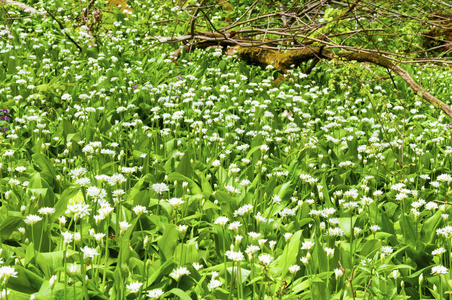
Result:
pixel 443 202
pixel 309 32
pixel 386 63
pixel 22 6
pixel 283 61
pixel 5 16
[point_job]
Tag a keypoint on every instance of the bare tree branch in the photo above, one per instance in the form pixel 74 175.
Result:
pixel 22 6
pixel 286 36
pixel 63 29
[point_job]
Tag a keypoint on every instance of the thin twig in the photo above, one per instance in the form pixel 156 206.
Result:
pixel 367 287
pixel 443 202
pixel 63 29
pixel 350 279
pixel 192 23
pixel 6 17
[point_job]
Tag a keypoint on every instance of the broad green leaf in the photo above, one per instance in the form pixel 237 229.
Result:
pixel 9 225
pixel 429 227
pixel 58 292
pixel 409 229
pixel 346 224
pixel 186 254
pixel 61 205
pixel 49 262
pixel 125 251
pixel 326 194
pixel 194 188
pixel 179 293
pixel 184 166
pixel 168 242
pixel 285 190
pixel 47 168
pixel 139 185
pixel 300 284
pixel 370 248
pixel 26 281
pixel 157 271
pixel 244 273
pixel 289 255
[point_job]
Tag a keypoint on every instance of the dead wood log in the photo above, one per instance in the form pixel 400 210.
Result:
pixel 386 63
pixel 22 6
pixel 225 5
pixel 440 36
pixel 284 61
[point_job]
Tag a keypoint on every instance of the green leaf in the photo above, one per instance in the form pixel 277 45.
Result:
pixel 300 284
pixel 326 194
pixel 139 185
pixel 289 255
pixel 47 168
pixel 158 273
pixel 49 262
pixel 9 225
pixel 244 273
pixel 125 251
pixel 46 292
pixel 61 205
pixel 210 205
pixel 370 247
pixel 167 244
pixel 386 223
pixel 187 255
pixel 285 190
pixel 15 295
pixel 429 227
pixel 178 292
pixel 194 188
pixel 344 224
pixel 409 229
pixel 29 254
pixel 184 166
pixel 26 281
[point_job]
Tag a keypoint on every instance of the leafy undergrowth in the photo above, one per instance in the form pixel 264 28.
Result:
pixel 127 176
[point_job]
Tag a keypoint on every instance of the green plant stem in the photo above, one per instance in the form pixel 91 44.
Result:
pixel 181 251
pixel 84 287
pixel 224 259
pixel 158 206
pixel 440 288
pixel 328 279
pixel 82 261
pixel 50 234
pixel 232 281
pixel 119 269
pixel 449 257
pixel 65 273
pixel 33 239
pixel 252 276
pixel 420 291
pixel 351 238
pixel 106 254
pixel 118 213
pixel 310 283
pixel 40 240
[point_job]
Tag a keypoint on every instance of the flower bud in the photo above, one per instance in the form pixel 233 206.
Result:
pixel 52 282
